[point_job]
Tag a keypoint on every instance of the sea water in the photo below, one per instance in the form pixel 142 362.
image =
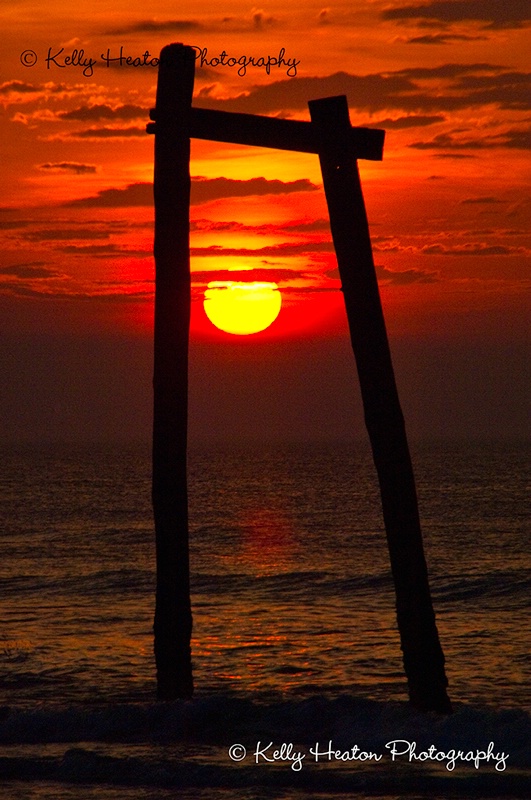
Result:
pixel 295 639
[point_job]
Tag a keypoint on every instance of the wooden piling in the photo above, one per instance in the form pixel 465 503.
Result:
pixel 338 145
pixel 282 134
pixel 422 653
pixel 173 615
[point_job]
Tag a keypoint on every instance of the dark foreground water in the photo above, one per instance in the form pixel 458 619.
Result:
pixel 295 648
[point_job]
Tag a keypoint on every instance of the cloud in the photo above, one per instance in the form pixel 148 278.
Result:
pixel 68 166
pixel 155 26
pixel 18 87
pixel 389 244
pixel 35 117
pixel 513 139
pixel 105 111
pixel 405 277
pixel 298 226
pixel 398 278
pixel 63 234
pixel 453 70
pixel 302 290
pixel 260 19
pixel 217 226
pixel 31 270
pixel 275 274
pixel 203 191
pixel 416 89
pixel 20 91
pixel 520 140
pixel 495 13
pixel 283 249
pixel 107 133
pixel 472 249
pixel 207 189
pixel 453 155
pixel 444 38
pixel 294 93
pixel 486 200
pixel 12 224
pixel 136 194
pixel 105 292
pixel 304 226
pixel 105 251
pixel 412 121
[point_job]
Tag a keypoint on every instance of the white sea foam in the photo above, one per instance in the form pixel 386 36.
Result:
pixel 187 744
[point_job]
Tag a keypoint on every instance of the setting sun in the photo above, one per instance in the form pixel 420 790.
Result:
pixel 242 308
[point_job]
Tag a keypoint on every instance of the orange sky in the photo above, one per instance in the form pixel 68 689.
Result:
pixel 448 205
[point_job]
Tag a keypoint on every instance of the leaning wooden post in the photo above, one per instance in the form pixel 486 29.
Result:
pixel 173 615
pixel 422 653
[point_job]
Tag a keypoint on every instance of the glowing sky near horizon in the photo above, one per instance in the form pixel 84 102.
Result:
pixel 448 206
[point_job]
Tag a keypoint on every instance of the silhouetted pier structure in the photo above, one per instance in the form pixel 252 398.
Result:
pixel 338 145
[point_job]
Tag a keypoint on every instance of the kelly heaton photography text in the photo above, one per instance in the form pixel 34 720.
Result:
pixel 62 58
pixel 399 750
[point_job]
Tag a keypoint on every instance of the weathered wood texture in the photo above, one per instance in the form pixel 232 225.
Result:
pixel 422 653
pixel 173 615
pixel 281 134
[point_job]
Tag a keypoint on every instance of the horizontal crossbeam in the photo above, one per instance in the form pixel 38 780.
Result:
pixel 281 134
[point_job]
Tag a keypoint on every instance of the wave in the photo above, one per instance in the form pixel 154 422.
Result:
pixel 209 715
pixel 507 587
pixel 82 766
pixel 187 744
pixel 511 586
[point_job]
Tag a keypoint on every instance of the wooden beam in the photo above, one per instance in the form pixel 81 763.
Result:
pixel 281 134
pixel 422 653
pixel 173 615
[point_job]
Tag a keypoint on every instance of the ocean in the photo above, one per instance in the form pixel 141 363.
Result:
pixel 299 685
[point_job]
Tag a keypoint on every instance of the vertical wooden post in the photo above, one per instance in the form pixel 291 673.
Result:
pixel 422 653
pixel 173 615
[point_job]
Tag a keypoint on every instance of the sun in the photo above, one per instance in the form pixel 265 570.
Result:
pixel 242 308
